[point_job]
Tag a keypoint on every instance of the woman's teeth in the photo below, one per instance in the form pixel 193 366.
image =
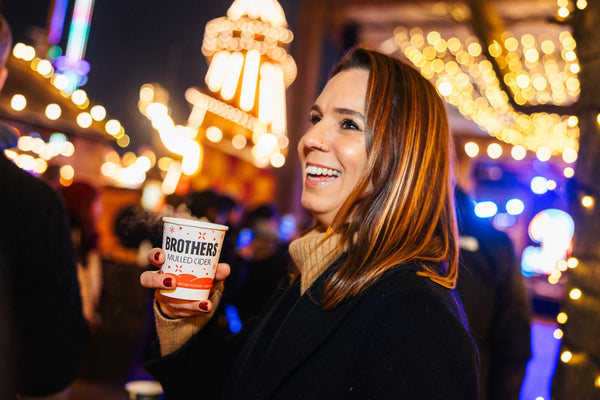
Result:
pixel 319 171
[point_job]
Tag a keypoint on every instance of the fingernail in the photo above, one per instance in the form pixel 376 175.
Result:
pixel 168 282
pixel 157 256
pixel 203 306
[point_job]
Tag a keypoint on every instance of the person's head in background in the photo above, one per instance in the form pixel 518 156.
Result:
pixel 377 170
pixel 83 205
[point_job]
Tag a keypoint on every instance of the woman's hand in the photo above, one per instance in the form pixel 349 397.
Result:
pixel 171 307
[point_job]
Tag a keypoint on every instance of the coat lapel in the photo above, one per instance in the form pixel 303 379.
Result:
pixel 306 327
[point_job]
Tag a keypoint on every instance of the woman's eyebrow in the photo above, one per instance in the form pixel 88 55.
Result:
pixel 347 111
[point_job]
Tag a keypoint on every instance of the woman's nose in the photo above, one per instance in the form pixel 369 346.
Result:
pixel 314 139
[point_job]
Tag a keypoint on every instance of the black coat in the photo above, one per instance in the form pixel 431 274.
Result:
pixel 404 338
pixel 49 334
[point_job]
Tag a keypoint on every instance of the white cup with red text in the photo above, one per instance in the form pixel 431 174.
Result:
pixel 192 249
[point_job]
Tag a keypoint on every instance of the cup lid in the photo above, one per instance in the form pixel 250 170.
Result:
pixel 195 223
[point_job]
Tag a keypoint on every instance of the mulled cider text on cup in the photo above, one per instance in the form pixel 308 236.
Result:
pixel 192 250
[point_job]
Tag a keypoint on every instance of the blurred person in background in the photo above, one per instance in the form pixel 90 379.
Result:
pixel 49 335
pixel 493 293
pixel 266 261
pixel 84 207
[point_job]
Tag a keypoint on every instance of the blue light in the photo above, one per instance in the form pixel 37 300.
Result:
pixel 539 185
pixel 244 238
pixel 287 227
pixel 515 207
pixel 486 209
pixel 233 318
pixel 504 220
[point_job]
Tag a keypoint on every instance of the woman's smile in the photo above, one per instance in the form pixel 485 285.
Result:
pixel 333 151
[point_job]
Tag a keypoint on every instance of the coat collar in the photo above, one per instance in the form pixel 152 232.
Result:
pixel 306 327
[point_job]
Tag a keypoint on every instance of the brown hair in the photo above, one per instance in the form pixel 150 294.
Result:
pixel 407 214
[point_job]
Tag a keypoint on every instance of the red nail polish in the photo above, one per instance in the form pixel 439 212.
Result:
pixel 157 256
pixel 203 306
pixel 168 282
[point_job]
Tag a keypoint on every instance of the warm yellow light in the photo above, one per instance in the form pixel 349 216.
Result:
pixel 581 4
pixel 558 334
pixel 25 143
pixel 44 68
pixel 84 120
pixel 523 81
pixel 266 92
pixel 277 160
pixel 68 149
pixel 164 163
pixel 494 150
pixel 575 294
pixel 569 155
pixel 543 154
pixel 18 102
pixel 215 76
pixel 112 127
pixel 239 142
pixel 123 141
pixel 98 112
pixel 597 381
pixel 598 118
pixel 249 81
pixel 143 163
pixel 566 356
pixel 568 172
pixel 53 111
pixel 472 149
pixel 278 124
pixel 563 12
pixel 474 49
pixel 445 88
pixel 147 93
pixel 109 169
pixel 518 152
pixel 587 201
pixel 79 97
pixel 67 172
pixel 561 318
pixel 232 75
pixel 572 262
pixel 575 68
pixel 171 178
pixel 553 279
pixel 214 134
pixel 562 3
pixel 112 157
pixel 60 81
pixel 40 166
pixel 572 121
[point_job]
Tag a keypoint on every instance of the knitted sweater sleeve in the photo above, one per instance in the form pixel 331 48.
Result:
pixel 173 333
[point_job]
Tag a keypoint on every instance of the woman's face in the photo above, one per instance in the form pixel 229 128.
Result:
pixel 333 151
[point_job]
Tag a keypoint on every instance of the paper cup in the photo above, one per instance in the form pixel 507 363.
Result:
pixel 192 250
pixel 144 390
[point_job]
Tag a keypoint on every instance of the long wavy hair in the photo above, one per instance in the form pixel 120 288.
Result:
pixel 402 208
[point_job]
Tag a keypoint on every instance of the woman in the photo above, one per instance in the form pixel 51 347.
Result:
pixel 371 312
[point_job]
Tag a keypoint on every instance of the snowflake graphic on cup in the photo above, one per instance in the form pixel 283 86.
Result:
pixel 192 250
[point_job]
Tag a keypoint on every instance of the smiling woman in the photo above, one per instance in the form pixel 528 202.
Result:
pixel 372 288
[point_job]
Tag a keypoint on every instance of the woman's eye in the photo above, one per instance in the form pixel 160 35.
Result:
pixel 349 124
pixel 314 119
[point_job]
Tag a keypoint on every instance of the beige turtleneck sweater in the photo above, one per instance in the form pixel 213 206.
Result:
pixel 311 254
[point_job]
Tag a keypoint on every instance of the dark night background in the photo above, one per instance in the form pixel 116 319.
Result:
pixel 133 42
